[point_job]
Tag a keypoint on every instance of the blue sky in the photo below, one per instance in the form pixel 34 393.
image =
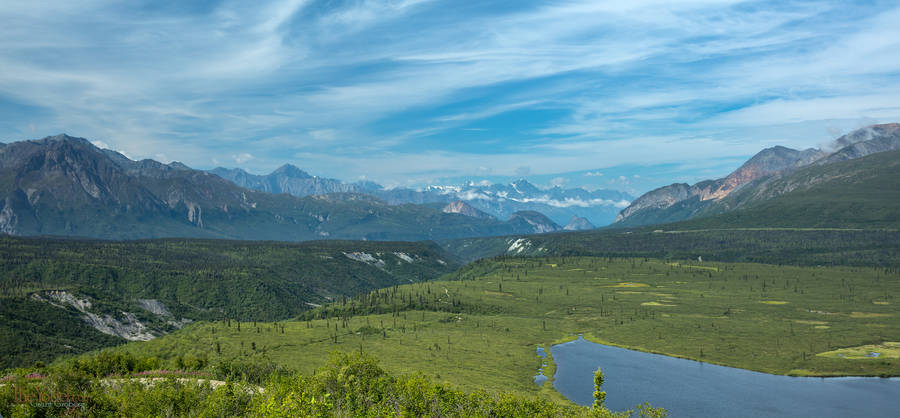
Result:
pixel 625 95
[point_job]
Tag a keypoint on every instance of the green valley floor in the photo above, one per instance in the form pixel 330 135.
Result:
pixel 479 327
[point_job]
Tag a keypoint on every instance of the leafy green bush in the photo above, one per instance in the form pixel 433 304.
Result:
pixel 108 362
pixel 252 370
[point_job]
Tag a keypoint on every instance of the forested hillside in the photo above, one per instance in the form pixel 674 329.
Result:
pixel 139 290
pixel 794 246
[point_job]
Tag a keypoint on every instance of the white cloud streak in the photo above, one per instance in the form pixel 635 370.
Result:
pixel 362 86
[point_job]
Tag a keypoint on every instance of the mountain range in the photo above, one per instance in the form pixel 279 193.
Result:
pixel 498 200
pixel 764 177
pixel 292 180
pixel 66 186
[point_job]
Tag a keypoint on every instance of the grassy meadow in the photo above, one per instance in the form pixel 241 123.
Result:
pixel 480 328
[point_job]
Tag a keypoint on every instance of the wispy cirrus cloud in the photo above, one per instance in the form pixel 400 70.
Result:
pixel 404 91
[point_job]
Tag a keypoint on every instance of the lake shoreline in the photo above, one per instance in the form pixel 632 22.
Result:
pixel 594 339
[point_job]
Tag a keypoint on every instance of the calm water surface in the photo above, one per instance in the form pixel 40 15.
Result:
pixel 689 388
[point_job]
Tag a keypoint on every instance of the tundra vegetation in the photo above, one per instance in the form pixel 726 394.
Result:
pixel 477 328
pixel 474 332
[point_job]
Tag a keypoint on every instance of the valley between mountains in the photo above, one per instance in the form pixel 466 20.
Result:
pixel 789 265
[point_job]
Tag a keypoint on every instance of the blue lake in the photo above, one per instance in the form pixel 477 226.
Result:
pixel 689 388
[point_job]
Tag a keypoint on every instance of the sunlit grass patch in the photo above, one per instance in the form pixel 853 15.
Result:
pixel 630 284
pixel 868 315
pixel 654 304
pixel 888 349
pixel 881 302
pixel 774 302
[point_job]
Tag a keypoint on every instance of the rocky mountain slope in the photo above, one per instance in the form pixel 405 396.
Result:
pixel 578 224
pixel 866 141
pixel 463 208
pixel 748 184
pixel 858 193
pixel 66 186
pixel 533 220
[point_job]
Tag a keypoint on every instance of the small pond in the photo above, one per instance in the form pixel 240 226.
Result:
pixel 688 388
pixel 541 378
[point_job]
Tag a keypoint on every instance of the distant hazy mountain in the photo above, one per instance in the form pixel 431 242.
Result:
pixel 66 186
pixel 502 200
pixel 292 180
pixel 681 201
pixel 578 224
pixel 498 200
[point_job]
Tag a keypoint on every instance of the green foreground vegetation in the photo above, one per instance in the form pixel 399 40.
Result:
pixel 349 385
pixel 480 330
